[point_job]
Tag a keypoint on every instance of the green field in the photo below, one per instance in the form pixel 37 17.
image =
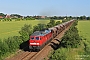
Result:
pixel 84 32
pixel 84 29
pixel 8 29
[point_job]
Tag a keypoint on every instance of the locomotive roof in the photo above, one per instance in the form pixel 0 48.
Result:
pixel 41 33
pixel 51 28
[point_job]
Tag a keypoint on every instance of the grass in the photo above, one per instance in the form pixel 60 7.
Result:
pixel 8 29
pixel 84 32
pixel 75 53
pixel 84 29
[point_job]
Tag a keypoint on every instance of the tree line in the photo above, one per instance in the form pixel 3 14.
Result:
pixel 18 17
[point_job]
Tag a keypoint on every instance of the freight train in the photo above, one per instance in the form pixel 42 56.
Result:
pixel 40 38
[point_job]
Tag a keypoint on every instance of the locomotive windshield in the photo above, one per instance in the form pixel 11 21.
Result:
pixel 37 38
pixel 32 38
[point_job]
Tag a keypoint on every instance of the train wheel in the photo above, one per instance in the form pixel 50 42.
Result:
pixel 29 50
pixel 38 50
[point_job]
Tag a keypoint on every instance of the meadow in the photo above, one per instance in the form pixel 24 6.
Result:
pixel 11 28
pixel 84 32
pixel 84 29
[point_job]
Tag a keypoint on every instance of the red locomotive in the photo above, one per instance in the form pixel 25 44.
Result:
pixel 40 38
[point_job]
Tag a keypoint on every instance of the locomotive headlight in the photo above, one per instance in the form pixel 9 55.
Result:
pixel 37 43
pixel 34 43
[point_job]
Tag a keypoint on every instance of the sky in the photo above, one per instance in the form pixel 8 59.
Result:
pixel 46 7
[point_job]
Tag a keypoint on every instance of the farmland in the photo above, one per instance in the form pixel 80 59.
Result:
pixel 84 29
pixel 84 32
pixel 8 29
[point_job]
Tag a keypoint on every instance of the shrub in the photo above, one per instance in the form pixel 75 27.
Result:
pixel 87 46
pixel 25 32
pixel 59 54
pixel 58 22
pixel 71 37
pixel 51 23
pixel 3 48
pixel 12 44
pixel 39 27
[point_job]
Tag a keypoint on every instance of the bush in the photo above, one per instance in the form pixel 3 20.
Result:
pixel 12 44
pixel 59 54
pixel 71 37
pixel 39 27
pixel 25 32
pixel 87 46
pixel 18 39
pixel 3 48
pixel 58 22
pixel 51 24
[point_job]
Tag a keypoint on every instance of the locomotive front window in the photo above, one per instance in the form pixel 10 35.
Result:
pixel 40 38
pixel 37 38
pixel 32 38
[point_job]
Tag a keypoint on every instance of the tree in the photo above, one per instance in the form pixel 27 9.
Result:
pixel 1 14
pixel 70 17
pixel 25 32
pixel 59 17
pixel 55 17
pixel 59 54
pixel 51 23
pixel 12 44
pixel 35 28
pixel 39 27
pixel 83 17
pixel 77 18
pixel 58 22
pixel 17 15
pixel 3 48
pixel 88 18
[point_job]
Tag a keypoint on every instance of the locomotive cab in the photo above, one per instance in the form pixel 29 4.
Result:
pixel 34 42
pixel 38 39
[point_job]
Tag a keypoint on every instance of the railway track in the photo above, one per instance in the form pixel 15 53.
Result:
pixel 29 56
